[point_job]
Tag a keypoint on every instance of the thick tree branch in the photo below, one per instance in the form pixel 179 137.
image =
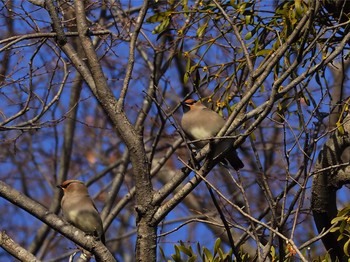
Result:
pixel 325 185
pixel 49 218
pixel 146 243
pixel 15 249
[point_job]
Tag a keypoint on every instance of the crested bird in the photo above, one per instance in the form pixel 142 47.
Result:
pixel 79 209
pixel 201 123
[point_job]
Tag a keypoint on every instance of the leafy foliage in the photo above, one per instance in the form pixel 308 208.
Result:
pixel 341 224
pixel 186 253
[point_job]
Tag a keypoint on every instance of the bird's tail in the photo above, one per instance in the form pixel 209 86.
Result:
pixel 234 160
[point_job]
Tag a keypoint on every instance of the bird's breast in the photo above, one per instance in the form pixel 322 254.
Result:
pixel 72 215
pixel 201 133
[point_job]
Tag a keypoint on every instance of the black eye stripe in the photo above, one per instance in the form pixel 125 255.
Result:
pixel 66 185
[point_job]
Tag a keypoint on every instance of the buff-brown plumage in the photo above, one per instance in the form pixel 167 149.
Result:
pixel 79 209
pixel 201 123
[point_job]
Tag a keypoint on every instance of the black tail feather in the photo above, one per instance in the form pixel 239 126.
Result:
pixel 234 160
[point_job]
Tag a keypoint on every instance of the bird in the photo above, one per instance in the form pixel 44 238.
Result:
pixel 201 123
pixel 79 209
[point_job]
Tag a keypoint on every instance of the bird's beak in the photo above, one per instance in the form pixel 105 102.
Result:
pixel 59 186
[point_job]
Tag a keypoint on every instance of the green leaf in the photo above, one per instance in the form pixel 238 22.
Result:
pixel 192 68
pixel 201 29
pixel 262 88
pixel 217 246
pixel 185 7
pixel 161 251
pixel 334 229
pixel 248 19
pixel 187 72
pixel 162 26
pixel 222 256
pixel 192 259
pixel 340 128
pixel 344 212
pixel 248 35
pixel 342 227
pixel 346 247
pixel 263 52
pixel 186 250
pixel 158 17
pixel 208 254
pixel 340 237
pixel 198 248
pixel 298 7
pixel 337 219
pixel 176 256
